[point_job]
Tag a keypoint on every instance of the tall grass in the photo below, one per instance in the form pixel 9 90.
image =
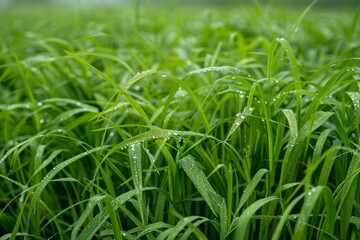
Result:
pixel 189 124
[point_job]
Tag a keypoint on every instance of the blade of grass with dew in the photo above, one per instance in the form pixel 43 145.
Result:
pixel 240 224
pixel 94 225
pixel 316 120
pixel 114 219
pixel 285 217
pixel 138 77
pixel 153 227
pixel 198 178
pixel 239 120
pixel 323 91
pixel 345 196
pixel 85 214
pixel 311 201
pixel 49 176
pixel 250 188
pixel 193 229
pixel 328 164
pixel 135 159
pixel 131 101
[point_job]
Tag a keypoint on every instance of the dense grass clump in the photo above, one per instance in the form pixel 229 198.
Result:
pixel 235 123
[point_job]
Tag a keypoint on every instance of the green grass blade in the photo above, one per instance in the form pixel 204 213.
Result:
pixel 50 175
pixel 285 217
pixel 198 178
pixel 293 129
pixel 135 159
pixel 240 225
pixel 131 101
pixel 94 225
pixel 85 214
pixel 250 188
pixel 316 120
pixel 239 120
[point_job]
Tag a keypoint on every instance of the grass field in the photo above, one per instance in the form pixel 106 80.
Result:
pixel 179 123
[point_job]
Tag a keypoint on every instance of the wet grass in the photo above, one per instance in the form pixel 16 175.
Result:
pixel 235 123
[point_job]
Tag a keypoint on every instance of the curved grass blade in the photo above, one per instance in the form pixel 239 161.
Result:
pixel 240 224
pixel 108 56
pixel 323 91
pixel 310 202
pixel 90 230
pixel 23 145
pixel 314 122
pixel 230 69
pixel 195 230
pixel 135 159
pixel 154 134
pixel 153 228
pixel 285 217
pixel 240 117
pixel 300 19
pixel 198 178
pixel 137 77
pixel 131 101
pixel 249 190
pixel 85 214
pixel 291 117
pixel 57 169
pixel 180 226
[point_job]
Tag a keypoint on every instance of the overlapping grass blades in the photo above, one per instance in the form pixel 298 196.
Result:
pixel 207 124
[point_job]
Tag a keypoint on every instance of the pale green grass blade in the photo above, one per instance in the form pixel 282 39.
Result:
pixel 223 220
pixel 198 178
pixel 193 229
pixel 47 161
pixel 175 231
pixel 90 230
pixel 135 159
pixel 50 175
pixel 131 101
pixel 25 235
pixel 316 120
pixel 22 145
pixel 108 56
pixel 310 202
pixel 240 224
pixel 323 91
pixel 114 219
pixel 285 217
pixel 88 210
pixel 154 227
pixel 293 129
pixel 216 69
pixel 138 77
pixel 240 117
pixel 345 198
pixel 328 164
pixel 320 144
pixel 296 72
pixel 153 134
pixel 250 188
pixel 355 98
pixel 300 19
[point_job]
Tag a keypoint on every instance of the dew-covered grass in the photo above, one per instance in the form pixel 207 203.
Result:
pixel 143 122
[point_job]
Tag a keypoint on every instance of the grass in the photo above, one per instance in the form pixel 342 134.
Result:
pixel 185 124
